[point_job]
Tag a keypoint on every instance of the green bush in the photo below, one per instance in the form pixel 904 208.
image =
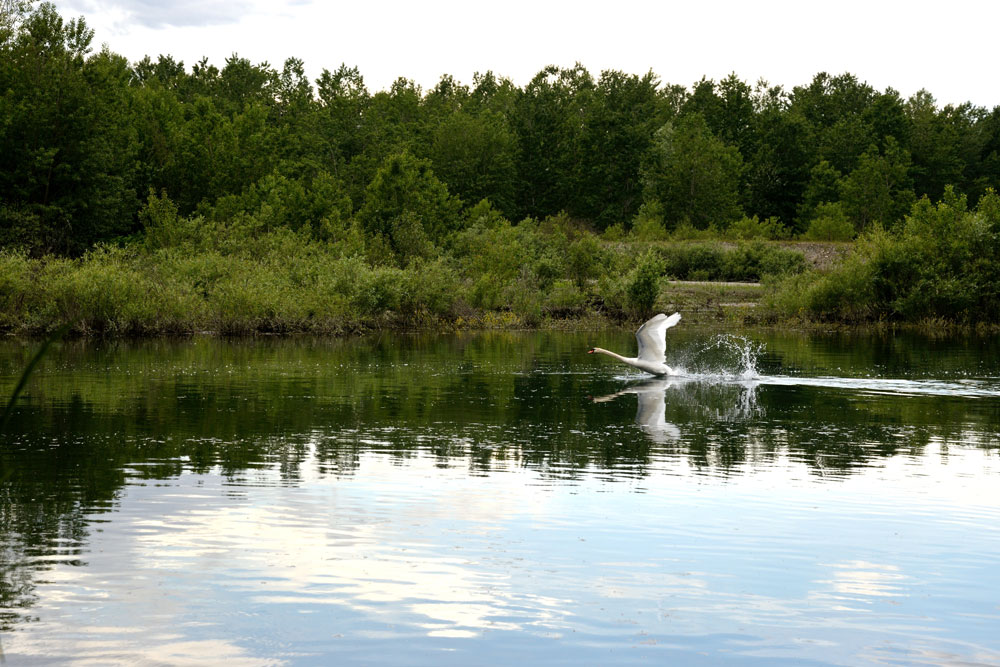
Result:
pixel 752 261
pixel 545 270
pixel 587 260
pixel 845 295
pixel 746 262
pixel 643 284
pixel 685 231
pixel 526 303
pixel 830 224
pixel 565 295
pixel 944 262
pixel 487 292
pixel 15 286
pixel 698 261
pixel 769 229
pixel 648 224
pixel 614 233
pixel 104 292
pixel 430 286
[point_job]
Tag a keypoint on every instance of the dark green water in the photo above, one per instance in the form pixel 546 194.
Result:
pixel 491 498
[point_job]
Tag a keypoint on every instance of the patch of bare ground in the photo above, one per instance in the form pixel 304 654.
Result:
pixel 713 301
pixel 821 255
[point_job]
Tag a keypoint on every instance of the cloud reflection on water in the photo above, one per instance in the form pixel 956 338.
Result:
pixel 382 566
pixel 859 580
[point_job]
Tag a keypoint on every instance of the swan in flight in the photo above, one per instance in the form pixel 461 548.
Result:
pixel 652 338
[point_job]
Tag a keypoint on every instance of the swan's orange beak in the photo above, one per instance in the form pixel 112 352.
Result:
pixel 590 351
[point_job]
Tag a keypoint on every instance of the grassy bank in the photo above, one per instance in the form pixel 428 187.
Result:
pixel 237 280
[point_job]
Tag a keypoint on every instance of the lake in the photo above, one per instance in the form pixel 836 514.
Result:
pixel 488 498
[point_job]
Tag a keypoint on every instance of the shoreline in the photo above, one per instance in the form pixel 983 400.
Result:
pixel 722 317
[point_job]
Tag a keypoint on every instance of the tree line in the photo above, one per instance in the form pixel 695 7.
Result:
pixel 86 136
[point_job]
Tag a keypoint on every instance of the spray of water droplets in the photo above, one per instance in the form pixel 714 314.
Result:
pixel 726 356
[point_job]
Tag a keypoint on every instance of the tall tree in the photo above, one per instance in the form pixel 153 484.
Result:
pixel 66 146
pixel 984 163
pixel 241 83
pixel 476 156
pixel 345 127
pixel 834 108
pixel 879 189
pixel 935 145
pixel 624 113
pixel 549 120
pixel 777 171
pixel 823 186
pixel 693 174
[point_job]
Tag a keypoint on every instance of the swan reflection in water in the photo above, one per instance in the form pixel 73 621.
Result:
pixel 691 398
pixel 650 414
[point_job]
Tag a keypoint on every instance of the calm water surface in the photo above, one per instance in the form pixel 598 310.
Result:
pixel 492 498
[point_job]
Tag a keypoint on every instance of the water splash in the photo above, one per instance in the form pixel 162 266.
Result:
pixel 726 356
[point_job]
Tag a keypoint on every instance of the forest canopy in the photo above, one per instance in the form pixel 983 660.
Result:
pixel 86 136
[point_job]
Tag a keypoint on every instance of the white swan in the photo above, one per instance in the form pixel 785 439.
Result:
pixel 652 339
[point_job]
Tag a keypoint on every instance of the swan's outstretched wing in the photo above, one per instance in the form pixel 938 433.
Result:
pixel 652 337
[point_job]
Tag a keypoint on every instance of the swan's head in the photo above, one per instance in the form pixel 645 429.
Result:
pixel 591 350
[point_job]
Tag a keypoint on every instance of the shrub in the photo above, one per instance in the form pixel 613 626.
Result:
pixel 103 292
pixel 614 233
pixel 408 239
pixel 381 291
pixel 830 224
pixel 586 259
pixel 545 271
pixel 752 261
pixel 526 303
pixel 944 262
pixel 15 286
pixel 844 295
pixel 694 261
pixel 565 295
pixel 648 223
pixel 431 286
pixel 648 229
pixel 643 284
pixel 685 231
pixel 769 229
pixel 487 292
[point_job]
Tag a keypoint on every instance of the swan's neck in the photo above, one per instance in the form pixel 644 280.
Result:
pixel 641 364
pixel 617 356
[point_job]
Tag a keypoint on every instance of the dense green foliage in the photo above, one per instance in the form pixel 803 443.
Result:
pixel 86 136
pixel 196 274
pixel 943 262
pixel 149 195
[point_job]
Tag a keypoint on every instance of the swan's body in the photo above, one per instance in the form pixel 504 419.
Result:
pixel 652 339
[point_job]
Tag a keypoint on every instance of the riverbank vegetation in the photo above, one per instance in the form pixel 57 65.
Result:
pixel 152 197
